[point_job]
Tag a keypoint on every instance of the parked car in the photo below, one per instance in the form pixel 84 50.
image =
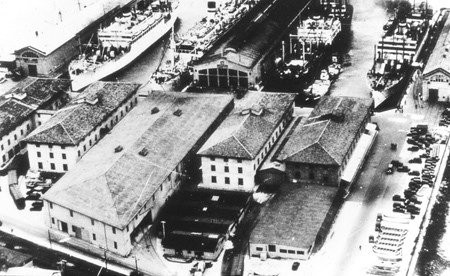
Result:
pixel 398 205
pixel 414 173
pixel 399 210
pixel 33 196
pixel 403 169
pixel 397 198
pixel 413 148
pixel 295 266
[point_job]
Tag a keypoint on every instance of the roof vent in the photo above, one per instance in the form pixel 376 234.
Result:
pixel 257 112
pixel 143 152
pixel 178 112
pixel 119 148
pixel 155 110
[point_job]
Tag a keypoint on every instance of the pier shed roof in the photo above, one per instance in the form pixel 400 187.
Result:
pixel 248 46
pixel 440 57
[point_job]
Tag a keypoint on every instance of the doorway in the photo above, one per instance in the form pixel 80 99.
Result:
pixel 32 70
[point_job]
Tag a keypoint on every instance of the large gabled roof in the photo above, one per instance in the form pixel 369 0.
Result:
pixel 440 57
pixel 327 134
pixel 249 126
pixel 87 111
pixel 112 187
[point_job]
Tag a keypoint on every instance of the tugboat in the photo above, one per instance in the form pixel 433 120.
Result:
pixel 120 43
pixel 309 49
pixel 395 57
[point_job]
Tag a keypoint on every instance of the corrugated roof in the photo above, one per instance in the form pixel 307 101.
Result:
pixel 244 135
pixel 30 94
pixel 326 136
pixel 126 180
pixel 72 124
pixel 442 48
pixel 294 216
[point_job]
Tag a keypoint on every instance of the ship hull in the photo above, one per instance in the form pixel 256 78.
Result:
pixel 391 96
pixel 139 47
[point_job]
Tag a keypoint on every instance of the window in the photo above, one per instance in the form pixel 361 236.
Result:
pixel 90 142
pixel 240 181
pixel 15 136
pixel 38 154
pixel 161 187
pixel 84 147
pixel 239 169
pixel 239 160
pixel 64 156
pixel 226 169
pixel 153 197
pixel 63 147
pixel 213 168
pixel 213 179
pixel 4 158
pixel 272 248
pixel 259 249
pixel 2 147
pixel 71 213
pixel 53 220
pixel 283 251
pixel 128 229
pixel 92 222
pixel 227 180
pixel 225 160
pixel 51 154
pixel 94 237
pixel 291 251
pixel 300 252
pixel 114 230
pixel 74 229
pixel 40 165
pixel 21 132
pixel 65 167
pixel 9 142
pixel 79 153
pixel 51 205
pixel 52 166
pixel 28 127
pixel 212 158
pixel 115 245
pixel 50 146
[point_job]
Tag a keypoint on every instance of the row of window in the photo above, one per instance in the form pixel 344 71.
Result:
pixel 94 236
pixel 50 146
pixel 22 133
pixel 53 166
pixel 225 169
pixel 51 155
pixel 227 180
pixel 226 159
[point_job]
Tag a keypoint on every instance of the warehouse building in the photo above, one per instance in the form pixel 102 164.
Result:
pixel 138 166
pixel 245 59
pixel 232 155
pixel 58 144
pixel 436 75
pixel 25 107
pixel 198 223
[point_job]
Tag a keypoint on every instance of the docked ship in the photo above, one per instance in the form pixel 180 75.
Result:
pixel 122 41
pixel 340 9
pixel 395 57
pixel 309 49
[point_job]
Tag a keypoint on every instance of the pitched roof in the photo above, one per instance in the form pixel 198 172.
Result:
pixel 19 102
pixel 244 132
pixel 126 180
pixel 328 132
pixel 87 111
pixel 441 49
pixel 294 216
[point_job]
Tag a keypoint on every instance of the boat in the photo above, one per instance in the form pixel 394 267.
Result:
pixel 309 49
pixel 395 57
pixel 122 41
pixel 340 9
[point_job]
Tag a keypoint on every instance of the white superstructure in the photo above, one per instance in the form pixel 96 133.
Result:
pixel 123 41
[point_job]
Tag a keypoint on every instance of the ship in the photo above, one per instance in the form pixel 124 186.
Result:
pixel 395 57
pixel 130 34
pixel 309 49
pixel 340 9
